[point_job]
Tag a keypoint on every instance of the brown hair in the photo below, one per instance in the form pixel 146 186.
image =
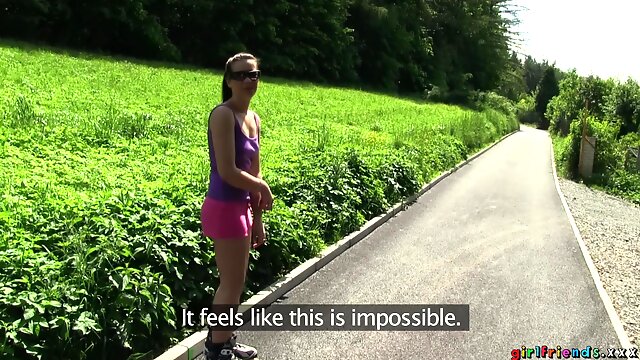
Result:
pixel 226 90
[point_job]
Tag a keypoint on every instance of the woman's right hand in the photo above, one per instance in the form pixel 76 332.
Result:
pixel 266 197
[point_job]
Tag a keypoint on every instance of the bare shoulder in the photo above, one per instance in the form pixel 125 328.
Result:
pixel 221 116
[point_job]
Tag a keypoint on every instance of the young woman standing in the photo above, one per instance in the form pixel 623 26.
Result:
pixel 232 210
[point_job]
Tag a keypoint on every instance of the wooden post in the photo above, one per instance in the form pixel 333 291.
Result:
pixel 587 149
pixel 587 155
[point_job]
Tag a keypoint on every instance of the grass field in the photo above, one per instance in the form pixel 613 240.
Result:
pixel 104 167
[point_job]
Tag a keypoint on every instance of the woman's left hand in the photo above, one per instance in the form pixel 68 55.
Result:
pixel 258 234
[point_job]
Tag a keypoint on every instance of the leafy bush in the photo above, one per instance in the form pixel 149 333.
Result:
pixel 577 93
pixel 625 184
pixel 611 171
pixel 491 100
pixel 525 110
pixel 607 157
pixel 623 104
pixel 612 112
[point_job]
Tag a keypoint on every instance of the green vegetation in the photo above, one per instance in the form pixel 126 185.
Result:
pixel 547 90
pixel 104 168
pixel 566 103
pixel 450 48
pixel 609 111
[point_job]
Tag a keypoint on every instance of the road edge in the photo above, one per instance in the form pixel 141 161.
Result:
pixel 604 296
pixel 193 346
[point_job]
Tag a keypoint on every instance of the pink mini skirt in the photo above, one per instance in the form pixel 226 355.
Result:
pixel 225 219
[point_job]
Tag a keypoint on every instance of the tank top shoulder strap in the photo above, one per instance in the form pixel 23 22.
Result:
pixel 256 118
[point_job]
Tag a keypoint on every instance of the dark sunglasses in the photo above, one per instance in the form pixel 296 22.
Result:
pixel 241 75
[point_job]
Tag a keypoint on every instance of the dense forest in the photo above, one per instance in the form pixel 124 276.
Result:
pixel 441 48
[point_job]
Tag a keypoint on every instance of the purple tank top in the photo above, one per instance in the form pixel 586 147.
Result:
pixel 245 147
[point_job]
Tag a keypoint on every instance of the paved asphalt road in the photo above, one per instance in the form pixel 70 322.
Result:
pixel 493 235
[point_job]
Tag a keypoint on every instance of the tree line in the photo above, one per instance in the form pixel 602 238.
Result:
pixel 443 48
pixel 556 99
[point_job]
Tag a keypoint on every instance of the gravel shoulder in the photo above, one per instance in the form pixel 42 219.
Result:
pixel 610 227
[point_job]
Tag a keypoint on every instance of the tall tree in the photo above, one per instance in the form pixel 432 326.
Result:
pixel 547 89
pixel 533 73
pixel 512 84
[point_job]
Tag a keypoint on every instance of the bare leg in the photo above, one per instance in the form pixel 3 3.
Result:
pixel 231 258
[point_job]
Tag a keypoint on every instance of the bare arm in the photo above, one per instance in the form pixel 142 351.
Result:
pixel 222 125
pixel 256 196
